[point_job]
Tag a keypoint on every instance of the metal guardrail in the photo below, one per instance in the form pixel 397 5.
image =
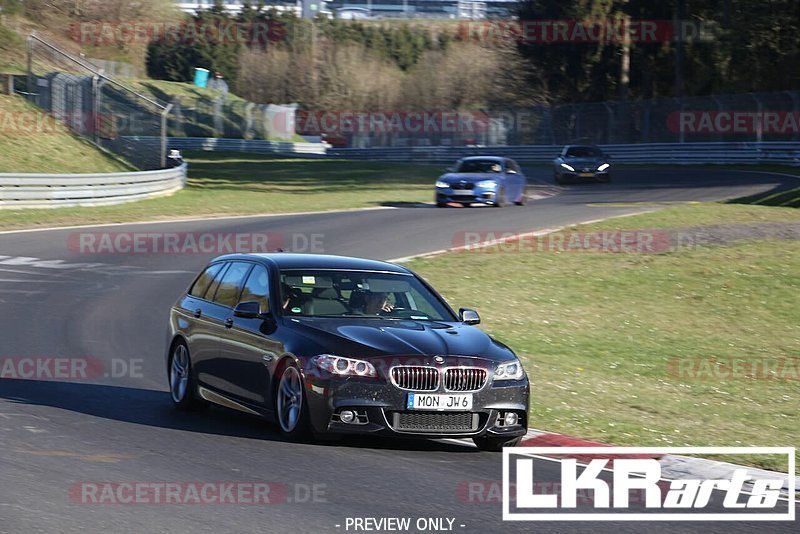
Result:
pixel 64 190
pixel 222 144
pixel 782 153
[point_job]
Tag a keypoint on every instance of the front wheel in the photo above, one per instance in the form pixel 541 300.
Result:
pixel 292 405
pixel 495 444
pixel 500 198
pixel 182 386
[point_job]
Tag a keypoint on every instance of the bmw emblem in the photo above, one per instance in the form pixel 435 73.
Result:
pixel 438 359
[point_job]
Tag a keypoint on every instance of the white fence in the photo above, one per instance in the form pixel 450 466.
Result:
pixel 63 190
pixel 653 153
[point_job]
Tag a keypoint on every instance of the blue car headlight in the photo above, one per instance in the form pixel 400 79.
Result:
pixel 442 184
pixel 487 184
pixel 570 168
pixel 509 371
pixel 603 167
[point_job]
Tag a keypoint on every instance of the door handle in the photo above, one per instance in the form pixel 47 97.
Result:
pixel 229 322
pixel 198 312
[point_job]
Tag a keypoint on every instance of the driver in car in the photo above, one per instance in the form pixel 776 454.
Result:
pixel 376 302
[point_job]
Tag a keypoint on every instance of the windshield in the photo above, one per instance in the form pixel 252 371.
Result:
pixel 322 293
pixel 584 152
pixel 479 165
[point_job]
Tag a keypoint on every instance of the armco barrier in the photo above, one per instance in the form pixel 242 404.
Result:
pixel 62 190
pixel 781 153
pixel 220 144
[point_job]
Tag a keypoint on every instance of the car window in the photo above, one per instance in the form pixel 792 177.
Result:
pixel 256 289
pixel 323 293
pixel 204 281
pixel 479 165
pixel 230 287
pixel 584 152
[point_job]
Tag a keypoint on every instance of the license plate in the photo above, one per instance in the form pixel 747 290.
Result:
pixel 447 402
pixel 587 174
pixel 462 191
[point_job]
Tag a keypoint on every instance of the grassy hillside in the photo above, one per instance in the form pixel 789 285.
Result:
pixel 33 142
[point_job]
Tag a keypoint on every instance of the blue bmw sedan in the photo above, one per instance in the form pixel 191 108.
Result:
pixel 489 180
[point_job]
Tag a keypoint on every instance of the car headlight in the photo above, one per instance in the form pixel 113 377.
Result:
pixel 486 184
pixel 603 167
pixel 440 183
pixel 509 371
pixel 568 167
pixel 338 365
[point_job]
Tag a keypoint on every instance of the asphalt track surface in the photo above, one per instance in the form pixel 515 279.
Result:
pixel 55 434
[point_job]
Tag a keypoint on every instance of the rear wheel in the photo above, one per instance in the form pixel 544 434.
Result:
pixel 494 444
pixel 292 405
pixel 182 386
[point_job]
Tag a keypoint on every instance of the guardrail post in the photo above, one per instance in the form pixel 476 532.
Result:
pixel 164 114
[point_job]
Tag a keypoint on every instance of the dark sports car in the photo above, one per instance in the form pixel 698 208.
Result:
pixel 334 345
pixel 581 163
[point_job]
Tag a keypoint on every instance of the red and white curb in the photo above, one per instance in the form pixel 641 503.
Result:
pixel 673 467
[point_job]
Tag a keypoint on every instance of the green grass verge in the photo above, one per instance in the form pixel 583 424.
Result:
pixel 241 184
pixel 32 142
pixel 599 332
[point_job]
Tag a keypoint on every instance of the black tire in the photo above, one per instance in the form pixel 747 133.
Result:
pixel 493 444
pixel 298 429
pixel 558 179
pixel 182 382
pixel 441 204
pixel 500 198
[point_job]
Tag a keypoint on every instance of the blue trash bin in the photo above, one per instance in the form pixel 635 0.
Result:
pixel 200 77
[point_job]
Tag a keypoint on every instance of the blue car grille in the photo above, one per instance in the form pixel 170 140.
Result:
pixel 466 186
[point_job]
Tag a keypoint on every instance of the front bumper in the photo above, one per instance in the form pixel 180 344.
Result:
pixel 583 175
pixel 380 407
pixel 484 195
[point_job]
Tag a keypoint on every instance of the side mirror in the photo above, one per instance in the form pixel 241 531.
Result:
pixel 511 171
pixel 468 316
pixel 247 310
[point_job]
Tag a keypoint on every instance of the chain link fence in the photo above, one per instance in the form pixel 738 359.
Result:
pixel 751 117
pixel 94 105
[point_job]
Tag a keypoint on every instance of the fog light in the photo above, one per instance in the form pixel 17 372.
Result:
pixel 511 419
pixel 347 416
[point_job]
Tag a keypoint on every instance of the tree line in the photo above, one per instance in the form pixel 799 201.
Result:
pixel 553 51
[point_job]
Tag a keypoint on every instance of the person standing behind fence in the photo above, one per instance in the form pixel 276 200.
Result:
pixel 217 83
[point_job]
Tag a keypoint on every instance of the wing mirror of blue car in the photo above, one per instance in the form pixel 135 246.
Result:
pixel 468 316
pixel 248 310
pixel 511 171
